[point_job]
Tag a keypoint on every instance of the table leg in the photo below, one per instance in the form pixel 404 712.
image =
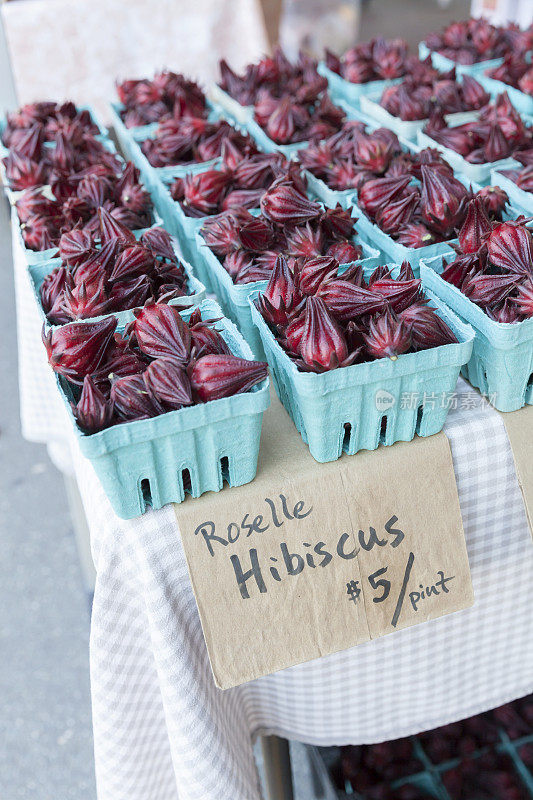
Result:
pixel 277 762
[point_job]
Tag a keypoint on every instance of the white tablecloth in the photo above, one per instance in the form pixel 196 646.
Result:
pixel 162 730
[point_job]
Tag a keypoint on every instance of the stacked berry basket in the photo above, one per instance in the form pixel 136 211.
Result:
pixel 487 757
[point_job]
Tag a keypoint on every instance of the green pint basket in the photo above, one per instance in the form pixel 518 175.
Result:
pixel 152 462
pixel 379 402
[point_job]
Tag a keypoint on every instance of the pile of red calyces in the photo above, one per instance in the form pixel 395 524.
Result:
pixel 476 40
pixel 515 71
pixel 239 183
pixel 516 718
pixel 523 177
pixel 459 739
pixel 365 766
pixel 376 60
pixel 425 89
pixel 193 140
pixel 290 101
pixel 275 75
pixel 73 155
pixel 491 776
pixel 44 218
pixel 498 133
pixel 289 223
pixel 161 363
pixel 324 320
pixel 429 211
pixel 494 265
pixel 48 119
pixel 108 271
pixel 167 96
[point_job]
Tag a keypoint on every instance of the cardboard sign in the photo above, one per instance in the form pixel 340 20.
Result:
pixel 310 558
pixel 519 427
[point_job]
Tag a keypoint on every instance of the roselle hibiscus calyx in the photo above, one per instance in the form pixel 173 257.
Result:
pixel 498 133
pixel 167 95
pixel 215 376
pixel 45 120
pixel 494 265
pixel 239 186
pixel 477 40
pixel 370 61
pixel 161 363
pixel 325 318
pixel 425 89
pixel 191 140
pixel 248 246
pixel 110 271
pixel 61 162
pixel 46 219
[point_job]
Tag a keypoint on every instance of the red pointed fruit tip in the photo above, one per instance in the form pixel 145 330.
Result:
pixel 398 293
pixel 221 233
pixel 93 411
pixel 346 301
pixel 161 332
pixel 338 223
pixel 281 296
pixel 427 328
pixel 524 300
pixel 388 336
pixel 315 271
pixel 216 376
pixel 169 383
pixel 415 235
pixel 204 191
pixel 443 201
pixel 475 228
pixel 206 339
pixel 495 200
pixel 159 241
pixel 510 246
pixel 398 213
pixel 322 344
pixel 375 194
pixel 133 261
pixel 76 350
pixel 133 399
pixel 256 235
pixel 75 246
pixel 284 204
pixel 110 228
pixel 344 252
pixel 52 287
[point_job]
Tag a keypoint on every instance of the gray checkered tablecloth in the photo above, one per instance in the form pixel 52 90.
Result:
pixel 163 731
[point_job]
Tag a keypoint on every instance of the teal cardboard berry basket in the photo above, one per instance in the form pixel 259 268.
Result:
pixel 361 406
pixel 521 200
pixel 501 362
pixel 233 297
pixel 352 93
pixel 521 101
pixel 444 64
pixel 152 462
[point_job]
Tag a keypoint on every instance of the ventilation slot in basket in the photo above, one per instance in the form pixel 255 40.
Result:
pixel 419 416
pixel 530 381
pixel 224 470
pixel 347 437
pixel 146 492
pixel 383 429
pixel 186 481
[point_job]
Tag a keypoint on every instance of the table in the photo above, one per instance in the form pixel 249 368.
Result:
pixel 163 731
